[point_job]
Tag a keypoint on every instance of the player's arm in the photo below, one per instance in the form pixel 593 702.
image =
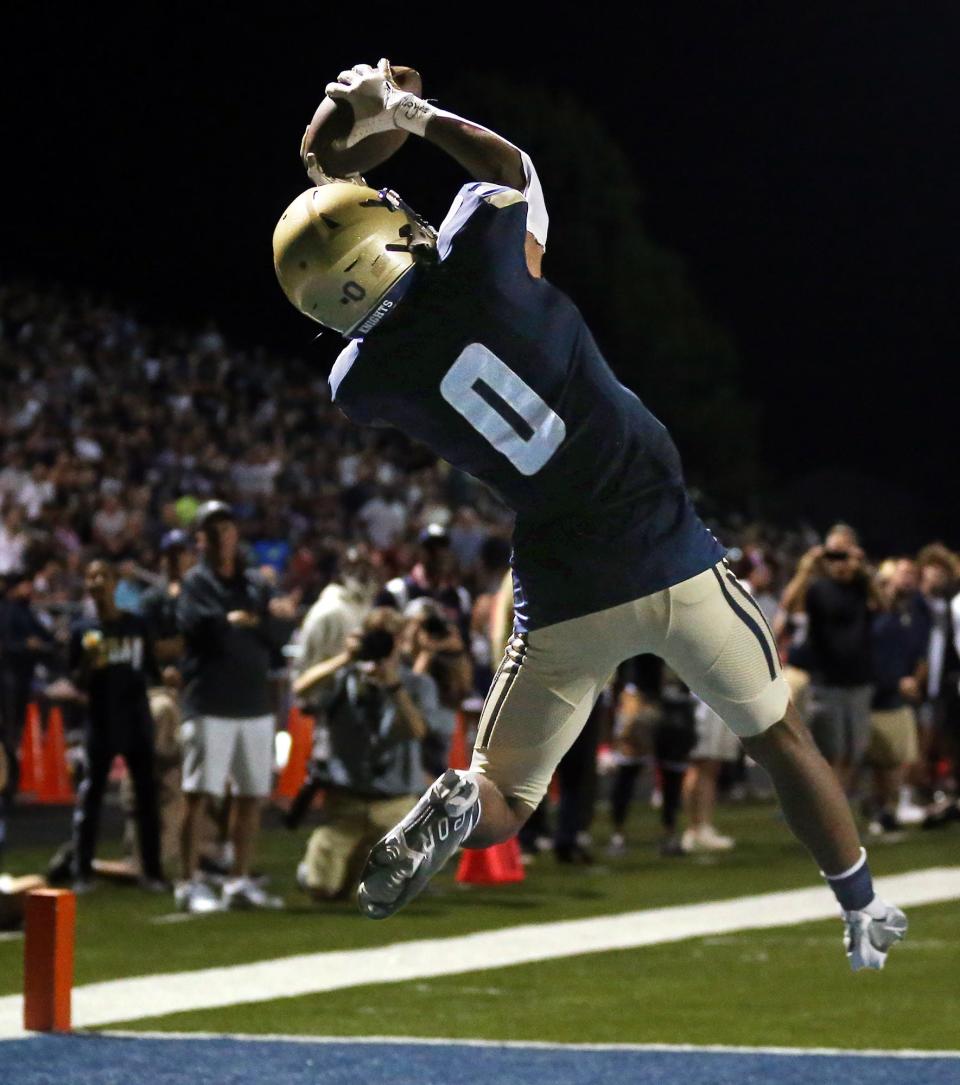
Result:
pixel 379 105
pixel 482 153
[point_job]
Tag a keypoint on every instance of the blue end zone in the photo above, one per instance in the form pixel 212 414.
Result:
pixel 111 1060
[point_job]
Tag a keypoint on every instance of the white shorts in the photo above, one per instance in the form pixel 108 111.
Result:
pixel 715 741
pixel 707 629
pixel 216 750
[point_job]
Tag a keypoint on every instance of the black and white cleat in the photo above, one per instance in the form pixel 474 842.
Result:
pixel 402 863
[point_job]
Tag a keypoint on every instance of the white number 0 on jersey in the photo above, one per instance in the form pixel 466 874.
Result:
pixel 503 408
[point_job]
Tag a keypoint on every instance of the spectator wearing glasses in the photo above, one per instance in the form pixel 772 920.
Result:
pixel 834 590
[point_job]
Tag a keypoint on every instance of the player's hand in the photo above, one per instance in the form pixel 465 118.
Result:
pixel 372 95
pixel 310 163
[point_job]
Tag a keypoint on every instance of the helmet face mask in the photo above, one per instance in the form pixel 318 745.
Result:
pixel 339 249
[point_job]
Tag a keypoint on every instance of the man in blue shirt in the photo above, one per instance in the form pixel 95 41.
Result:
pixel 458 341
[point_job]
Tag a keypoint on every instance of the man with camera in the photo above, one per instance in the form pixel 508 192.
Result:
pixel 374 712
pixel 833 588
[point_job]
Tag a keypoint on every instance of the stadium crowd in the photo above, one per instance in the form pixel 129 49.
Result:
pixel 390 571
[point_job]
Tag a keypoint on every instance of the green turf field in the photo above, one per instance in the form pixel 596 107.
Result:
pixel 787 985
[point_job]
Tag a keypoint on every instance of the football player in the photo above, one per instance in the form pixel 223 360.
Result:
pixel 457 340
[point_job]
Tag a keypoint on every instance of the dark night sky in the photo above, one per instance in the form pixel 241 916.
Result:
pixel 801 158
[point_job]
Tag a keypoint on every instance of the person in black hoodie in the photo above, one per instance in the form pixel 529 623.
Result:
pixel 111 664
pixel 233 631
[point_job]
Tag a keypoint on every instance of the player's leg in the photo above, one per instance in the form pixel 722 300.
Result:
pixel 813 802
pixel 540 699
pixel 719 643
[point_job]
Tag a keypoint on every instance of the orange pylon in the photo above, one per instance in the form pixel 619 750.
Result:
pixel 31 754
pixel 55 786
pixel 50 925
pixel 497 865
pixel 300 726
pixel 458 758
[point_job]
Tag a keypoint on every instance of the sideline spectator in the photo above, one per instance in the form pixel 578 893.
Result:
pixel 233 633
pixel 159 604
pixel 339 610
pixel 111 660
pixel 435 648
pixel 716 744
pixel 833 589
pixel 435 576
pixel 24 641
pixel 654 715
pixel 939 572
pixel 900 634
pixel 376 711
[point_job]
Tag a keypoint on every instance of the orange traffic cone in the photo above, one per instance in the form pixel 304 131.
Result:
pixel 55 787
pixel 457 758
pixel 497 865
pixel 31 754
pixel 291 779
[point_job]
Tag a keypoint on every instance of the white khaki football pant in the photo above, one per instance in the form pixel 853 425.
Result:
pixel 707 629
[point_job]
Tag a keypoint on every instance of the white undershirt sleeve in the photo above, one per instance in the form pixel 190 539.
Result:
pixel 538 221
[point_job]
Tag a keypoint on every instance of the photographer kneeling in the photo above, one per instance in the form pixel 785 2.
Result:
pixel 373 713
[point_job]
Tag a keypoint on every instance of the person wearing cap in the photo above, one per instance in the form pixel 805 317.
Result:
pixel 159 604
pixel 433 577
pixel 233 632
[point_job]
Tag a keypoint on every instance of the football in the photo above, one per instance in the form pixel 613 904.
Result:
pixel 331 125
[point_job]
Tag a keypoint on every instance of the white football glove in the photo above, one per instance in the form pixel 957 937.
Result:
pixel 378 104
pixel 315 170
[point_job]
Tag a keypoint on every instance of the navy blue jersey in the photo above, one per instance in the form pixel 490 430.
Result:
pixel 496 372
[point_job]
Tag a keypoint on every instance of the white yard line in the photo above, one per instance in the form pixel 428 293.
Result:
pixel 537 1045
pixel 120 1000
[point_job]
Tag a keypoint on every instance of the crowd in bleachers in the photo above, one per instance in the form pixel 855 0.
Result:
pixel 115 433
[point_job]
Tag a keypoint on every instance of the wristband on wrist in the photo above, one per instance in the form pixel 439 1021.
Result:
pixel 413 114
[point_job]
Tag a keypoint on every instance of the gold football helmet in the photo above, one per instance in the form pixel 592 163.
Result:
pixel 340 248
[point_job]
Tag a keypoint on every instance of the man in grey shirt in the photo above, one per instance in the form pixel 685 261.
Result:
pixel 373 713
pixel 233 629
